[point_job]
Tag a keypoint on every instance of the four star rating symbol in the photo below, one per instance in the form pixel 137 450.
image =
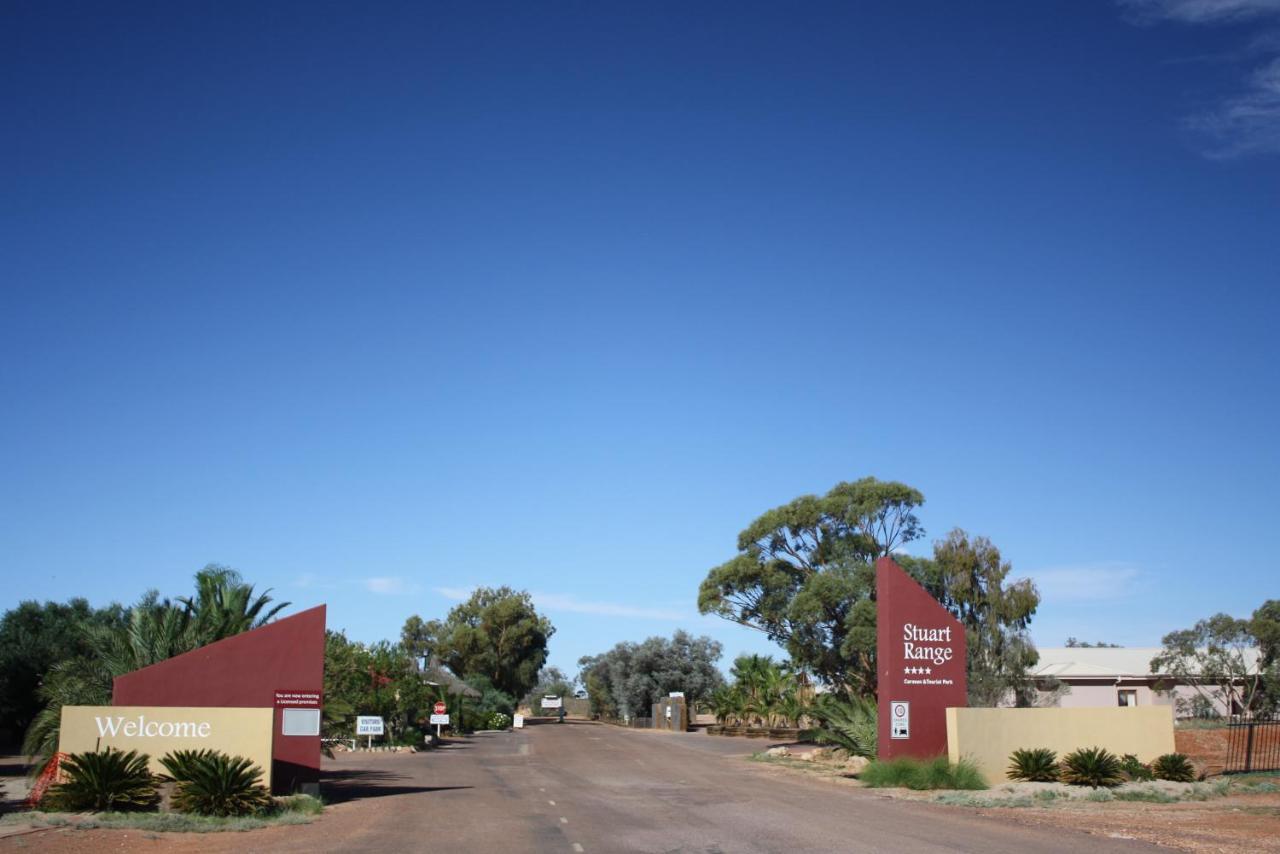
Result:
pixel 918 670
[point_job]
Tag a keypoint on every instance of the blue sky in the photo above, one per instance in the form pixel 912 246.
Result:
pixel 380 302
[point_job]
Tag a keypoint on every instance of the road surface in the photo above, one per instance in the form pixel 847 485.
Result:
pixel 582 787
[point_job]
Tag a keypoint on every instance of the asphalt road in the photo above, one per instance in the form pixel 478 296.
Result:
pixel 581 787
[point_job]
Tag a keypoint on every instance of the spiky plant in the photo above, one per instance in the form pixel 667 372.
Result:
pixel 222 785
pixel 1036 765
pixel 107 779
pixel 1174 766
pixel 1091 766
pixel 846 721
pixel 1134 769
pixel 156 629
pixel 791 707
pixel 179 763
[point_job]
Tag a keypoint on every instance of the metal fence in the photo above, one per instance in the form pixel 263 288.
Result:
pixel 1253 744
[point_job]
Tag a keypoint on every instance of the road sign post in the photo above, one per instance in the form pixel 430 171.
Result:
pixel 439 715
pixel 369 726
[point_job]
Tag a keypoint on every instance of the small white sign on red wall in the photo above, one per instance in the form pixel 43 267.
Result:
pixel 899 719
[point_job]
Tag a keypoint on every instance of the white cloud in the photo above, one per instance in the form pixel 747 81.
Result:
pixel 305 579
pixel 1200 11
pixel 1247 122
pixel 389 585
pixel 1094 582
pixel 571 604
pixel 568 603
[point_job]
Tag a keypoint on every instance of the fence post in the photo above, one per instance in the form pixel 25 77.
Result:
pixel 1248 748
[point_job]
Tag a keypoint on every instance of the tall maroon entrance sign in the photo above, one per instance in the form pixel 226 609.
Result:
pixel 280 665
pixel 920 658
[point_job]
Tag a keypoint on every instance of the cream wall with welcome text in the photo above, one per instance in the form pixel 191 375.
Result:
pixel 157 730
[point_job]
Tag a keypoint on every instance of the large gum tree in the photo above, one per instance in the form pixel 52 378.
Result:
pixel 805 576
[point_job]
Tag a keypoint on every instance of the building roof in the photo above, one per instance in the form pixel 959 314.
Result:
pixel 437 674
pixel 1105 662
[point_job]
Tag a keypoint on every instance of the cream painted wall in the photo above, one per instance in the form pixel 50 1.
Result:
pixel 238 732
pixel 988 736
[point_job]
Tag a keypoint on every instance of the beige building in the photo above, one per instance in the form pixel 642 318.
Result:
pixel 1080 677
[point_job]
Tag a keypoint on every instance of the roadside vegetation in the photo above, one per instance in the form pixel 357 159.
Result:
pixel 69 654
pixel 804 575
pixel 1096 767
pixel 922 774
pixel 764 694
pixel 626 681
pixel 484 654
pixel 206 791
pixel 295 809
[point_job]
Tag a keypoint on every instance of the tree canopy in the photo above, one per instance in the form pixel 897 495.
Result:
pixel 1076 643
pixel 627 680
pixel 1216 657
pixel 33 638
pixel 969 578
pixel 804 575
pixel 153 630
pixel 496 634
pixel 551 680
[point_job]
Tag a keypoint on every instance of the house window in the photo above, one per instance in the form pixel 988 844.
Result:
pixel 1127 697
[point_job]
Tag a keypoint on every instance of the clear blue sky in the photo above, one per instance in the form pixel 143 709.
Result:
pixel 378 302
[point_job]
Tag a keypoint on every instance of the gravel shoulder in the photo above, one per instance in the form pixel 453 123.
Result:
pixel 1218 815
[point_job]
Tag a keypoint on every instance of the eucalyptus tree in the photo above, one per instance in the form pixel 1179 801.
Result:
pixel 497 634
pixel 1230 663
pixel 971 580
pixel 804 575
pixel 629 678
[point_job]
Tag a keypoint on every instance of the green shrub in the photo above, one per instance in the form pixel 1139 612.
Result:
pixel 1039 765
pixel 179 763
pixel 1174 766
pixel 921 774
pixel 1091 766
pixel 109 779
pixel 302 804
pixel 222 785
pixel 1134 769
pixel 499 720
pixel 846 721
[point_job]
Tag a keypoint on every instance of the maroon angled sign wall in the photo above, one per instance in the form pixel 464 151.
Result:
pixel 920 658
pixel 279 665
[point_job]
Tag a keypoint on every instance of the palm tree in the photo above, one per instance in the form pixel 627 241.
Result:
pixel 157 629
pixel 846 720
pixel 224 605
pixel 791 707
pixel 722 703
pixel 772 686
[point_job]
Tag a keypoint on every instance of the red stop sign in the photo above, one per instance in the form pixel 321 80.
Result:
pixel 440 708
